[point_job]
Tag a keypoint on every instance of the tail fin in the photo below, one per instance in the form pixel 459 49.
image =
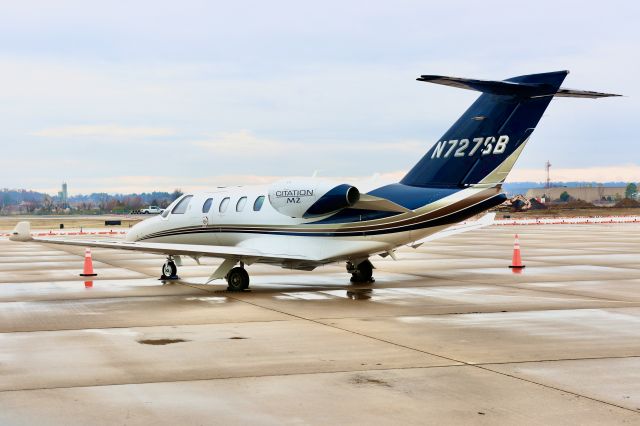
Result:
pixel 483 145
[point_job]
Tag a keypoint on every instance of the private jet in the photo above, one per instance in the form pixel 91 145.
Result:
pixel 305 223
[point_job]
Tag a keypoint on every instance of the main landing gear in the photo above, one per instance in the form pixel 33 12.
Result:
pixel 237 279
pixel 362 272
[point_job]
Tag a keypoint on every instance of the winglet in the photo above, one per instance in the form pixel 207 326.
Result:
pixel 487 219
pixel 22 232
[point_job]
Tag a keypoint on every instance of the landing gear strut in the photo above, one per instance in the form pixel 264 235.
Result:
pixel 238 279
pixel 361 273
pixel 169 270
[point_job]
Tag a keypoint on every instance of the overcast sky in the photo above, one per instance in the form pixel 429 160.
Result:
pixel 125 96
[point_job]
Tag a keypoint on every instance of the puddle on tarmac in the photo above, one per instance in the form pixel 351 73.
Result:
pixel 209 299
pixel 160 342
pixel 361 379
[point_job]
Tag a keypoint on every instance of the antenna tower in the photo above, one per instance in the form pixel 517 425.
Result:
pixel 547 167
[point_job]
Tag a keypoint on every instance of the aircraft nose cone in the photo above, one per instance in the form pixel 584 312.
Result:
pixel 132 235
pixel 136 232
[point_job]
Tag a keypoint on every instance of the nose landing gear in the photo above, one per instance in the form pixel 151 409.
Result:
pixel 169 270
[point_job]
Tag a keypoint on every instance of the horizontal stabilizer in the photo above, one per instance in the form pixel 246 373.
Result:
pixel 572 93
pixel 370 202
pixel 507 87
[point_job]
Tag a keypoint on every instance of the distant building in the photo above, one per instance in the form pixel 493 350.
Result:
pixel 589 194
pixel 63 195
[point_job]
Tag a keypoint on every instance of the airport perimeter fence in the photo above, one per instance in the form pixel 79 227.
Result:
pixel 579 220
pixel 497 222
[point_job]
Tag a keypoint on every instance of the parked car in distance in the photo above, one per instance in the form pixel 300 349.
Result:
pixel 150 210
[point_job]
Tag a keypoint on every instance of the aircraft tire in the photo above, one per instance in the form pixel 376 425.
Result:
pixel 363 273
pixel 169 269
pixel 237 279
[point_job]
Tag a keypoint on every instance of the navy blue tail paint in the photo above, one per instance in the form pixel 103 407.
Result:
pixel 495 125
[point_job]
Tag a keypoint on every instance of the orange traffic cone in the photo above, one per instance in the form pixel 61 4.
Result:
pixel 88 264
pixel 516 262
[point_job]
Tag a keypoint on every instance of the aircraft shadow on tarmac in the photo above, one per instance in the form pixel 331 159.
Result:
pixel 354 292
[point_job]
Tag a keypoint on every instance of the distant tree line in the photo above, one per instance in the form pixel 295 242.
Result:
pixel 24 201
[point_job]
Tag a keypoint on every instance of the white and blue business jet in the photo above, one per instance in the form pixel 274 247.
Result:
pixel 305 223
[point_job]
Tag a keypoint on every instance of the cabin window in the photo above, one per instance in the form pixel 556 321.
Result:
pixel 223 205
pixel 241 203
pixel 181 207
pixel 207 205
pixel 257 205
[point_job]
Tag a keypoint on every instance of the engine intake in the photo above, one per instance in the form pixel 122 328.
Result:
pixel 338 198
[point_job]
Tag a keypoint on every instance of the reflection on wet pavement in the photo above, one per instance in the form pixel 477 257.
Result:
pixel 360 294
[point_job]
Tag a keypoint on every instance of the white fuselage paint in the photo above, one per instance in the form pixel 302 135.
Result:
pixel 324 249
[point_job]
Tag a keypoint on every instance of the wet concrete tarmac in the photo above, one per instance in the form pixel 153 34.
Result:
pixel 447 335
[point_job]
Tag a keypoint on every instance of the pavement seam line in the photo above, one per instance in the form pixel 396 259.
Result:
pixel 482 313
pixel 54 330
pixel 449 358
pixel 483 367
pixel 513 286
pixel 255 376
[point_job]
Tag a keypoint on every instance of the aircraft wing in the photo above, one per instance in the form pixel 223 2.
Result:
pixel 192 250
pixel 22 232
pixel 460 228
pixel 273 254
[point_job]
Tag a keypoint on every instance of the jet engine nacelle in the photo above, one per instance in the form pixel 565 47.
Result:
pixel 311 197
